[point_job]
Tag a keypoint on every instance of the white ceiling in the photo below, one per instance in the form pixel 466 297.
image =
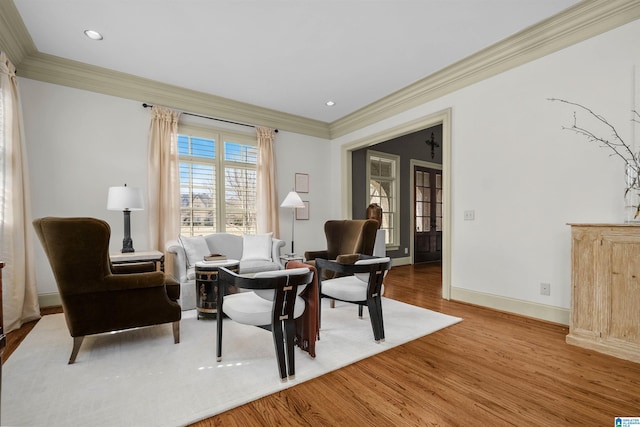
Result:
pixel 287 55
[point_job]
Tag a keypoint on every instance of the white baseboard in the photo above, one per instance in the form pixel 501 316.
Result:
pixel 49 300
pixel 525 308
pixel 400 261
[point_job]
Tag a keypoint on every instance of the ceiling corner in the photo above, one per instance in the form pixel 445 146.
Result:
pixel 15 40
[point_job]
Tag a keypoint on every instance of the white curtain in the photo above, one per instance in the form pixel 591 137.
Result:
pixel 164 177
pixel 20 295
pixel 266 198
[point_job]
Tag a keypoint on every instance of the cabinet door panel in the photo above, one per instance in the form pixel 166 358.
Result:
pixel 584 292
pixel 624 297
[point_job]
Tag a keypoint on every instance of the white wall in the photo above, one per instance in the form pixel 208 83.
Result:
pixel 524 176
pixel 80 143
pixel 296 153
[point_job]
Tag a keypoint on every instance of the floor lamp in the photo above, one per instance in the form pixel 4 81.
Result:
pixel 125 199
pixel 292 201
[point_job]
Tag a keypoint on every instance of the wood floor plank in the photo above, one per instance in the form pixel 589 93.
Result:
pixel 492 368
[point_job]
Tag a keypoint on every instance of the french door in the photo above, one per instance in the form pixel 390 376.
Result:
pixel 428 214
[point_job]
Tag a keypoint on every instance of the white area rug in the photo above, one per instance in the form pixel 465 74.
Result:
pixel 140 378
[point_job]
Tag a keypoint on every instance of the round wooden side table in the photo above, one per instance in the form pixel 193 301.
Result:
pixel 207 285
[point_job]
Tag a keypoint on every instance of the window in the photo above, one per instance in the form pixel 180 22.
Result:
pixel 217 181
pixel 383 177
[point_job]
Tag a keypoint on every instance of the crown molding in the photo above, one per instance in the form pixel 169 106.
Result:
pixel 65 72
pixel 15 40
pixel 580 22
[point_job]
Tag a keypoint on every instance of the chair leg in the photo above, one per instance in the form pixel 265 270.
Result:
pixel 77 342
pixel 378 301
pixel 176 332
pixel 359 311
pixel 219 336
pixel 290 328
pixel 375 313
pixel 278 342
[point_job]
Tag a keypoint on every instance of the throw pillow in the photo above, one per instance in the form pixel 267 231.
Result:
pixel 195 248
pixel 256 246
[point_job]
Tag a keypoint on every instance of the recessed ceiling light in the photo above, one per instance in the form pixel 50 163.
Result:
pixel 93 35
pixel 330 103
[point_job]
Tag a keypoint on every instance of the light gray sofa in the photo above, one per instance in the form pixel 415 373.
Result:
pixel 263 255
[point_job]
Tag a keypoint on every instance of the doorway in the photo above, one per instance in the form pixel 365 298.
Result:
pixel 427 196
pixel 350 150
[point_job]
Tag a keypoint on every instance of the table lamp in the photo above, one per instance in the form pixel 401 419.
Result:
pixel 292 201
pixel 125 199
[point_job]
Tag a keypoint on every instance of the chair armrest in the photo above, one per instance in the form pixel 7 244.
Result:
pixel 116 282
pixel 323 264
pixel 309 255
pixel 134 267
pixel 275 251
pixel 231 278
pixel 179 258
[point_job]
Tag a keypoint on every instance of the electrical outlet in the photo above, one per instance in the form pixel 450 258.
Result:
pixel 469 215
pixel 406 251
pixel 545 289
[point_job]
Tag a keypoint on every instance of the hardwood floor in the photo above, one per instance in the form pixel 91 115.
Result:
pixel 492 369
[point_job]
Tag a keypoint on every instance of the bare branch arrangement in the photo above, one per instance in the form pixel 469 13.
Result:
pixel 619 147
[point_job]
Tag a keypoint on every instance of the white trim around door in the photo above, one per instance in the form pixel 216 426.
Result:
pixel 442 117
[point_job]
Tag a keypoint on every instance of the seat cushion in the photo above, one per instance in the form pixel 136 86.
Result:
pixel 256 265
pixel 250 309
pixel 348 288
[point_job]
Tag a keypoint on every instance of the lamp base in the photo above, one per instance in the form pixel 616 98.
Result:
pixel 127 246
pixel 127 242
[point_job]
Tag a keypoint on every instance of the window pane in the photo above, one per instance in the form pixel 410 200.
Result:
pixel 386 189
pixel 196 147
pixel 382 190
pixel 201 147
pixel 183 145
pixel 386 169
pixel 240 153
pixel 426 223
pixel 240 200
pixel 375 167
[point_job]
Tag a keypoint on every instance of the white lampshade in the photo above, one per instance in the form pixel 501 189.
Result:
pixel 292 200
pixel 125 198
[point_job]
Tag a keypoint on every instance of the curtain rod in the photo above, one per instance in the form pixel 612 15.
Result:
pixel 145 105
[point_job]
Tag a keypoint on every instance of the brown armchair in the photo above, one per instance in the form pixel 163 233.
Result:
pixel 94 299
pixel 346 237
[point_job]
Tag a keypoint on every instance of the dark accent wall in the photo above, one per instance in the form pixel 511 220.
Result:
pixel 408 147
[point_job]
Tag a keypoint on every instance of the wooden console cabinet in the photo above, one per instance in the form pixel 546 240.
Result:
pixel 605 289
